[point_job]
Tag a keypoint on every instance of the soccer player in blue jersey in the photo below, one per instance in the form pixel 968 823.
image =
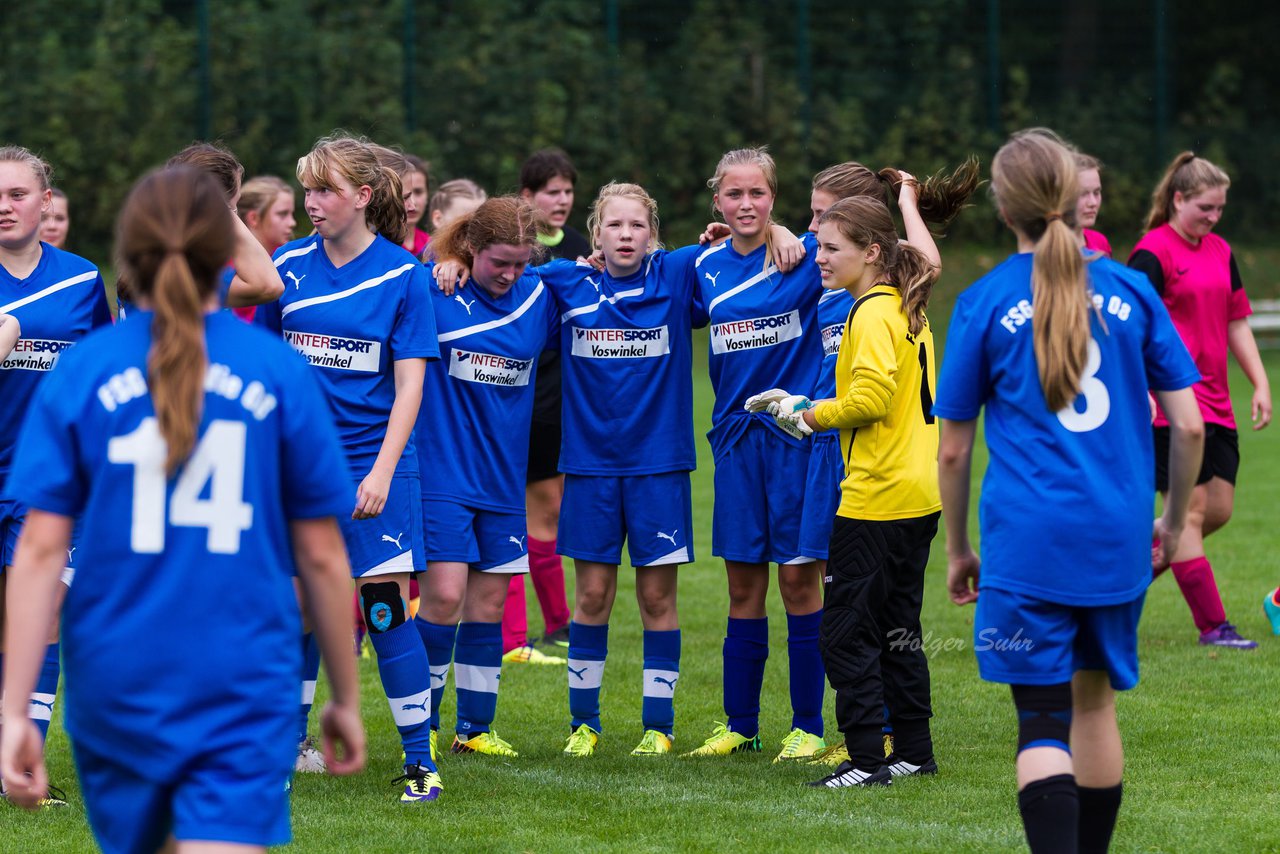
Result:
pixel 250 279
pixel 764 331
pixel 357 306
pixel 198 455
pixel 1061 351
pixel 474 426
pixel 627 450
pixel 57 298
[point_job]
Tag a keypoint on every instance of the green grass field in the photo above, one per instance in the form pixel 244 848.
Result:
pixel 1198 732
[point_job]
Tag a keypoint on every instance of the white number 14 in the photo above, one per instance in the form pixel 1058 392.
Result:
pixel 218 460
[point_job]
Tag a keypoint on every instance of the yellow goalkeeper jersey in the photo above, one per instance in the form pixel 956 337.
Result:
pixel 884 410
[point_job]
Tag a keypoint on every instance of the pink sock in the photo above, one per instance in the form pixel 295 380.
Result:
pixel 515 623
pixel 547 573
pixel 1200 589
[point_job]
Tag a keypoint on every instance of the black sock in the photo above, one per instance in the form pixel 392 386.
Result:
pixel 1098 810
pixel 1050 814
pixel 912 742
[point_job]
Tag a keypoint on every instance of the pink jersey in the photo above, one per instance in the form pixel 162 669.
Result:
pixel 1096 241
pixel 1201 287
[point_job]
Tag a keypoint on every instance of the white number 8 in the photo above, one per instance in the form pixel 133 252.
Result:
pixel 1097 400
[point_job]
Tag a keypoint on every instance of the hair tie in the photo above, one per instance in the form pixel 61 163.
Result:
pixel 1050 217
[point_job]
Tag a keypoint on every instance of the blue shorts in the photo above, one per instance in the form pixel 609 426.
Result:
pixel 12 515
pixel 653 513
pixel 1021 640
pixel 489 540
pixel 236 795
pixel 821 495
pixel 760 486
pixel 392 541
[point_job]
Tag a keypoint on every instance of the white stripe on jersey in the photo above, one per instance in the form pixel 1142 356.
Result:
pixel 708 253
pixel 363 286
pixel 495 324
pixel 589 309
pixel 585 674
pixel 754 280
pixel 294 253
pixel 474 677
pixel 831 294
pixel 52 289
pixel 660 683
pixel 411 710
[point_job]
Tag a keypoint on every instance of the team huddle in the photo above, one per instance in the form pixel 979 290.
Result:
pixel 437 415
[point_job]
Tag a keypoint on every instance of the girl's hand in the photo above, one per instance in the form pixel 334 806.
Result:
pixel 342 739
pixel 714 233
pixel 1261 408
pixel 908 194
pixel 451 275
pixel 1164 543
pixel 788 250
pixel 596 260
pixel 22 761
pixel 371 495
pixel 962 577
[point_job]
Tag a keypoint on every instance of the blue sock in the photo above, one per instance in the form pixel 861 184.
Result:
pixel 310 672
pixel 476 672
pixel 887 729
pixel 439 640
pixel 46 691
pixel 746 647
pixel 588 646
pixel 661 672
pixel 807 674
pixel 406 680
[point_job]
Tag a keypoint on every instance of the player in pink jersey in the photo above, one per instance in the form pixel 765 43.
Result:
pixel 1196 275
pixel 1090 172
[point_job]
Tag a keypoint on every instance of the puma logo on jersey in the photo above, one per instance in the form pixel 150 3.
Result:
pixel 671 536
pixel 48 705
pixel 467 305
pixel 579 673
pixel 387 538
pixel 518 541
pixel 423 705
pixel 670 683
pixel 297 280
pixel 594 284
pixel 712 279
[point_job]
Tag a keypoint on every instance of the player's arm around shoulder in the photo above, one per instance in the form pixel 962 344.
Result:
pixel 10 331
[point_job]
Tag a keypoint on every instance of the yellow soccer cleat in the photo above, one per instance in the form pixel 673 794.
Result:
pixel 654 743
pixel 486 743
pixel 800 745
pixel 724 741
pixel 832 756
pixel 582 742
pixel 531 655
pixel 421 785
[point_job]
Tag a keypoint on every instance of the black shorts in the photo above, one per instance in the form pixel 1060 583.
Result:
pixel 1221 455
pixel 544 452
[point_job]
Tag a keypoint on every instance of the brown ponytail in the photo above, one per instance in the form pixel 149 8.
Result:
pixel 940 196
pixel 1036 186
pixel 1188 175
pixel 174 236
pixel 864 220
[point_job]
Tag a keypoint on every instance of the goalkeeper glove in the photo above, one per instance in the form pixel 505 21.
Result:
pixel 761 402
pixel 788 413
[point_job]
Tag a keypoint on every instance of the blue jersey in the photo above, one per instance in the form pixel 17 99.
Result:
pixel 627 376
pixel 57 305
pixel 833 312
pixel 1066 504
pixel 352 323
pixel 477 402
pixel 764 334
pixel 182 626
